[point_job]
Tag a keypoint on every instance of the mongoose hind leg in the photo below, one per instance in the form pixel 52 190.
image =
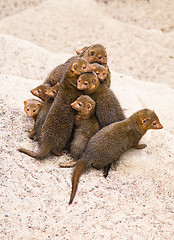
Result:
pixel 106 170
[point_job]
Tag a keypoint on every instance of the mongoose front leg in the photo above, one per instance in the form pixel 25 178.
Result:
pixel 140 146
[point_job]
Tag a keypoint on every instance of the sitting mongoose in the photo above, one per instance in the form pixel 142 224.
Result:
pixel 94 53
pixel 41 118
pixel 103 73
pixel 40 90
pixel 52 92
pixel 86 125
pixel 88 82
pixel 59 122
pixel 107 145
pixel 32 108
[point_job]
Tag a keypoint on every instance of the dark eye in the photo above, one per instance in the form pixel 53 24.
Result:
pixel 39 91
pixel 144 121
pixel 154 123
pixel 28 109
pixel 99 57
pixel 92 53
pixel 34 110
pixel 104 73
pixel 85 83
pixel 84 67
pixel 80 104
pixel 54 92
pixel 97 73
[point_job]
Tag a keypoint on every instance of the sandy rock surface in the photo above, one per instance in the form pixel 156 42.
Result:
pixel 136 200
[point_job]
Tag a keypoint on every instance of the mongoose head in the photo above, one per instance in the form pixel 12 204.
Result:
pixel 88 82
pixel 148 120
pixel 52 93
pixel 94 53
pixel 40 90
pixel 100 70
pixel 32 107
pixel 79 66
pixel 84 105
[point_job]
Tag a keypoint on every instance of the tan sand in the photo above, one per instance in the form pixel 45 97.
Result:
pixel 135 201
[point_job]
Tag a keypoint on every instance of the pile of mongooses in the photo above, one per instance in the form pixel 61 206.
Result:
pixel 80 112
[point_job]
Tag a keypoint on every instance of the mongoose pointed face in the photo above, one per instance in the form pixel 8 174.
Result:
pixel 88 82
pixel 84 105
pixel 94 53
pixel 149 120
pixel 52 93
pixel 32 107
pixel 80 66
pixel 40 90
pixel 100 70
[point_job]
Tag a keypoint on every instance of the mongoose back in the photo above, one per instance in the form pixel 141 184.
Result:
pixel 108 109
pixel 40 90
pixel 86 125
pixel 59 122
pixel 107 145
pixel 88 82
pixel 94 53
pixel 52 92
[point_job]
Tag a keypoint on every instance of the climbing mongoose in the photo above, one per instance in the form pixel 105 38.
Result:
pixel 32 108
pixel 103 73
pixel 88 82
pixel 86 125
pixel 107 145
pixel 40 90
pixel 59 122
pixel 94 53
pixel 52 92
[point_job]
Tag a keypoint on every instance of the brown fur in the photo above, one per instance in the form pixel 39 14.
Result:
pixel 107 145
pixel 40 90
pixel 103 73
pixel 108 109
pixel 94 53
pixel 59 122
pixel 32 108
pixel 86 125
pixel 88 82
pixel 52 93
pixel 41 118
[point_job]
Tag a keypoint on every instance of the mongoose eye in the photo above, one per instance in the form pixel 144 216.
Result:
pixel 154 123
pixel 28 109
pixel 97 73
pixel 39 91
pixel 104 73
pixel 80 104
pixel 144 121
pixel 99 57
pixel 54 92
pixel 85 83
pixel 84 67
pixel 34 110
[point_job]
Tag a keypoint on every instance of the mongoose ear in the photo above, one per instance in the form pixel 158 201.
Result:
pixel 74 67
pixel 91 52
pixel 145 120
pixel 89 106
pixel 25 102
pixel 39 104
pixel 82 50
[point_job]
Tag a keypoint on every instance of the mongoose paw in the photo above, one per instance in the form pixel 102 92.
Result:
pixel 140 146
pixel 68 164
